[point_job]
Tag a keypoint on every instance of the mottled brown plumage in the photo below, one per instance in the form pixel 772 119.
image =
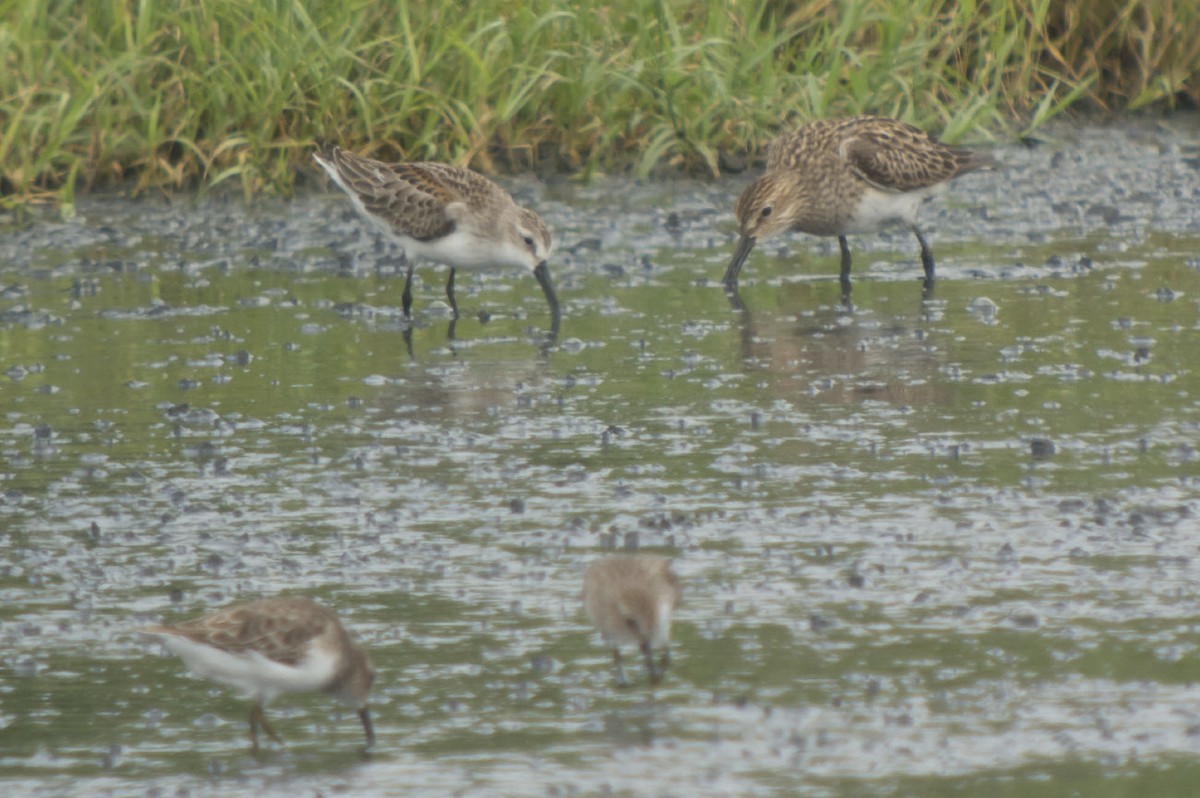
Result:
pixel 445 214
pixel 630 598
pixel 837 176
pixel 272 646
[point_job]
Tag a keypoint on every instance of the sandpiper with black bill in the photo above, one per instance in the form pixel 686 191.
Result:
pixel 445 214
pixel 273 646
pixel 834 177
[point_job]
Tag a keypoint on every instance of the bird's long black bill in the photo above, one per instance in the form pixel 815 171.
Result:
pixel 364 715
pixel 745 244
pixel 542 273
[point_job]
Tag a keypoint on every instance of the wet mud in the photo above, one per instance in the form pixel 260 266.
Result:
pixel 937 544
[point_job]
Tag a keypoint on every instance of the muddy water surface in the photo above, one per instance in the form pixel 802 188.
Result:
pixel 943 545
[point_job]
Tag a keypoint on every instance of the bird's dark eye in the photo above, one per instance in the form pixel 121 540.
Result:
pixel 766 212
pixel 529 241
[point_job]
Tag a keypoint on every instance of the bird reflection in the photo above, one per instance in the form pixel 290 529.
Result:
pixel 845 360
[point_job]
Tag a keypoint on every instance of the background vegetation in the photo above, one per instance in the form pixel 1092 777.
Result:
pixel 218 91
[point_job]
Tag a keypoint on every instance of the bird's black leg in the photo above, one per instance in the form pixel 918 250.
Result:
pixel 450 293
pixel 259 718
pixel 365 716
pixel 406 297
pixel 844 278
pixel 926 258
pixel 845 247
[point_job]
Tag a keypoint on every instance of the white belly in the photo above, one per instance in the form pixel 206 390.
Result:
pixel 878 208
pixel 251 673
pixel 459 249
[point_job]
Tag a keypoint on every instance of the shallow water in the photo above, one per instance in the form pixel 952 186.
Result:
pixel 930 546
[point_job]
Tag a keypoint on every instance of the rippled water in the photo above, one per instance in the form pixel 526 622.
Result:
pixel 930 546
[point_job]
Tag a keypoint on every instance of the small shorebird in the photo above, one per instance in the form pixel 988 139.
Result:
pixel 273 646
pixel 837 176
pixel 630 599
pixel 445 214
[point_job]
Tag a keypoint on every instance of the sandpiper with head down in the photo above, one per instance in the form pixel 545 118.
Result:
pixel 274 646
pixel 838 176
pixel 630 598
pixel 445 214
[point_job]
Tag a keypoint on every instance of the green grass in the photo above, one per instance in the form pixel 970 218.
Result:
pixel 166 94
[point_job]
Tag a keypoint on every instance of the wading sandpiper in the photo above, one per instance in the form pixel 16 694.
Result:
pixel 274 646
pixel 630 598
pixel 445 214
pixel 839 176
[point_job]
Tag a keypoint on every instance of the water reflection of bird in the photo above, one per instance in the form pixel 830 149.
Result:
pixel 445 214
pixel 838 176
pixel 842 361
pixel 630 598
pixel 468 388
pixel 274 646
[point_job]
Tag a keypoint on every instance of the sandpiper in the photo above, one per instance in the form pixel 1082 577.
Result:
pixel 445 214
pixel 837 176
pixel 277 645
pixel 630 599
